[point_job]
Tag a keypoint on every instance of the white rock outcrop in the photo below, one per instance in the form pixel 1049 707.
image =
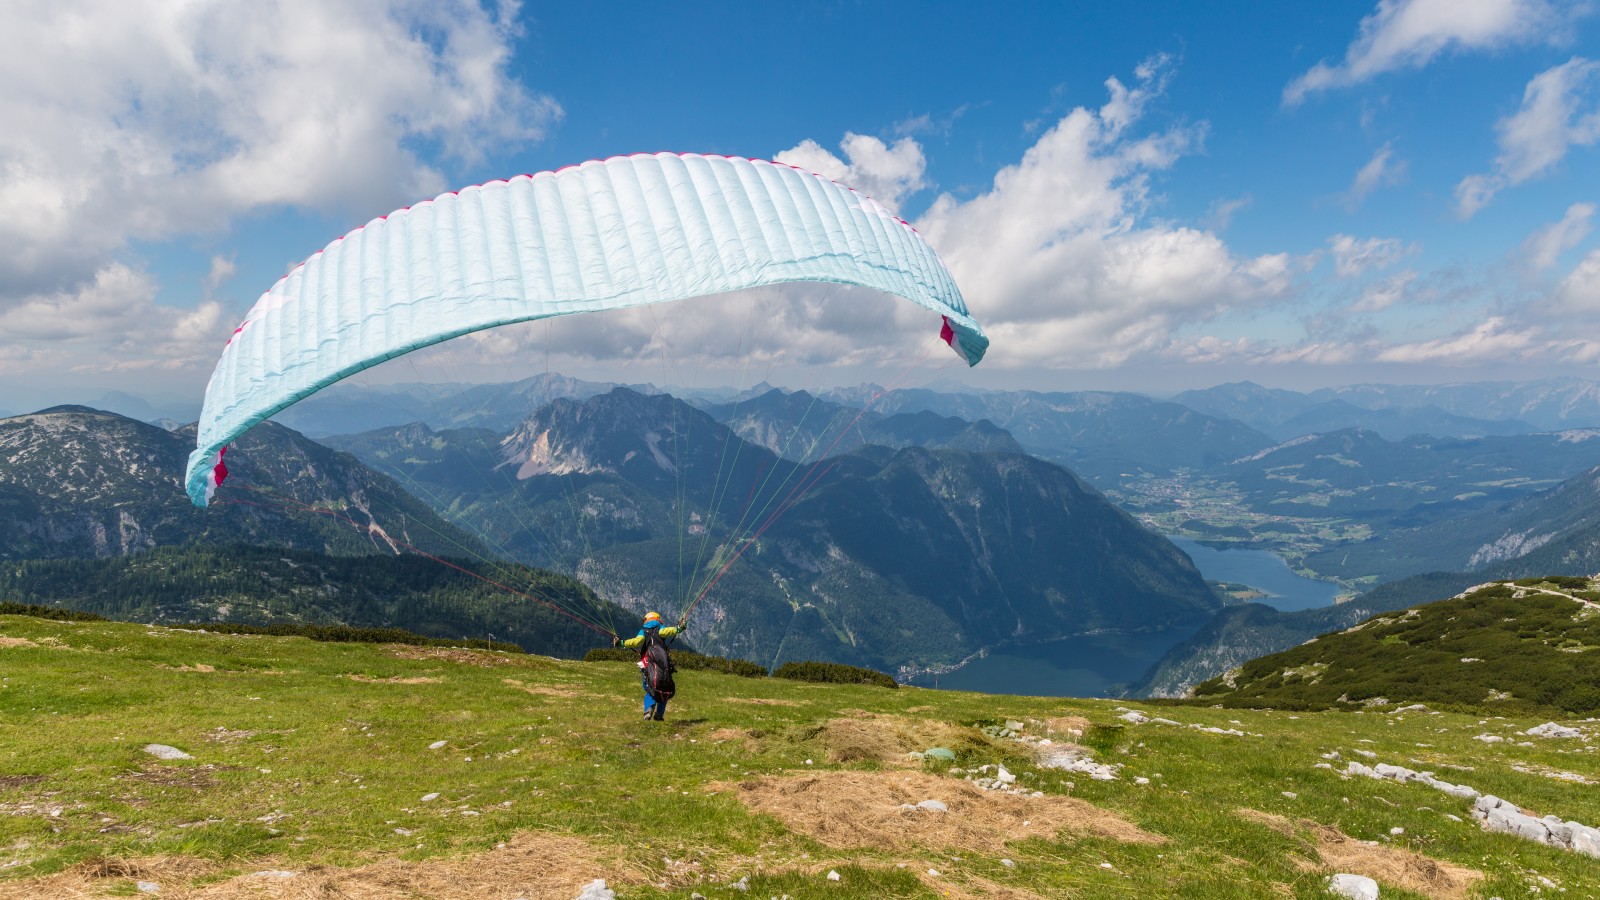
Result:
pixel 1495 814
pixel 1073 759
pixel 1552 730
pixel 1384 771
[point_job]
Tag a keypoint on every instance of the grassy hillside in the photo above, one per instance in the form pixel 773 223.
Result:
pixel 1526 646
pixel 1242 633
pixel 369 770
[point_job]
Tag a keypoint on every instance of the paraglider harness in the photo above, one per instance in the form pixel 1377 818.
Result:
pixel 656 662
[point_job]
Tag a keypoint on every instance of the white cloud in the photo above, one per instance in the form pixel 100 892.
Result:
pixel 1545 246
pixel 1579 292
pixel 927 123
pixel 886 173
pixel 144 119
pixel 1402 34
pixel 222 271
pixel 734 338
pixel 1560 110
pixel 1222 211
pixel 1380 171
pixel 1383 293
pixel 1353 256
pixel 116 322
pixel 1056 260
pixel 1494 339
pixel 1126 105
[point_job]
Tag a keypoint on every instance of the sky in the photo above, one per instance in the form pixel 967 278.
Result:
pixel 1153 196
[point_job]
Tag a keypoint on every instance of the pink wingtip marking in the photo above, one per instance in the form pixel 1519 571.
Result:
pixel 219 472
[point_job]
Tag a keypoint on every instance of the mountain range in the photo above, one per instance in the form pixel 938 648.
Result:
pixel 1101 435
pixel 892 558
pixel 802 427
pixel 79 482
pixel 1473 409
pixel 831 519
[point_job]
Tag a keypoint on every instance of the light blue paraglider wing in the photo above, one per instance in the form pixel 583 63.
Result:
pixel 603 235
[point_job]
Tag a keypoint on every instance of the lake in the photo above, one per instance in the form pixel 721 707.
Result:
pixel 1263 570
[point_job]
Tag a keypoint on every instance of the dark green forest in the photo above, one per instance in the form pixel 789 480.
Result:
pixel 263 586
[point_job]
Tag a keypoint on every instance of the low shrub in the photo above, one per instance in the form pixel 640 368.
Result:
pixel 833 673
pixel 48 612
pixel 347 634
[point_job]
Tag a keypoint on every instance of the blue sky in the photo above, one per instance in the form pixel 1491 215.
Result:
pixel 1148 196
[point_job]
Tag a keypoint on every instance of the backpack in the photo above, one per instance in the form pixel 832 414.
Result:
pixel 658 668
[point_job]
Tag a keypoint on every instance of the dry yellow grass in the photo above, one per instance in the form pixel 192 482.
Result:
pixel 535 865
pixel 857 810
pixel 394 679
pixel 889 739
pixel 1389 865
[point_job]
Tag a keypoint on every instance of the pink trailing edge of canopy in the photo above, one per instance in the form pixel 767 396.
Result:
pixel 219 474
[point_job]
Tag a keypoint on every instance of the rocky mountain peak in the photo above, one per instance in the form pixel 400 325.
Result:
pixel 622 430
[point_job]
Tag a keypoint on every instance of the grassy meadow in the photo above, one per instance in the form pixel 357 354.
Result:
pixel 317 772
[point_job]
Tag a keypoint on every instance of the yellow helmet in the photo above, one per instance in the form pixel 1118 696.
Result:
pixel 652 618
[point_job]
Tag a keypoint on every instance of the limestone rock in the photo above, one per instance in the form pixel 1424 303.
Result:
pixel 1552 730
pixel 1353 887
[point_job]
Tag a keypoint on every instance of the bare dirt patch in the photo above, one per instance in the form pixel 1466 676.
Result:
pixel 765 701
pixel 746 739
pixel 483 658
pixel 93 877
pixel 1390 865
pixel 535 865
pixel 981 889
pixel 15 642
pixel 11 781
pixel 889 739
pixel 865 809
pixel 1069 726
pixel 545 690
pixel 197 667
pixel 394 679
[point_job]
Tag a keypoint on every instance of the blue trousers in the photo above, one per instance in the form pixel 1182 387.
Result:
pixel 651 705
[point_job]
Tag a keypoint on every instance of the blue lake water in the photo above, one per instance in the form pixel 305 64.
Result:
pixel 1262 570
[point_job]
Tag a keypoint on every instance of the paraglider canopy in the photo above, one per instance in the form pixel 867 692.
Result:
pixel 606 234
